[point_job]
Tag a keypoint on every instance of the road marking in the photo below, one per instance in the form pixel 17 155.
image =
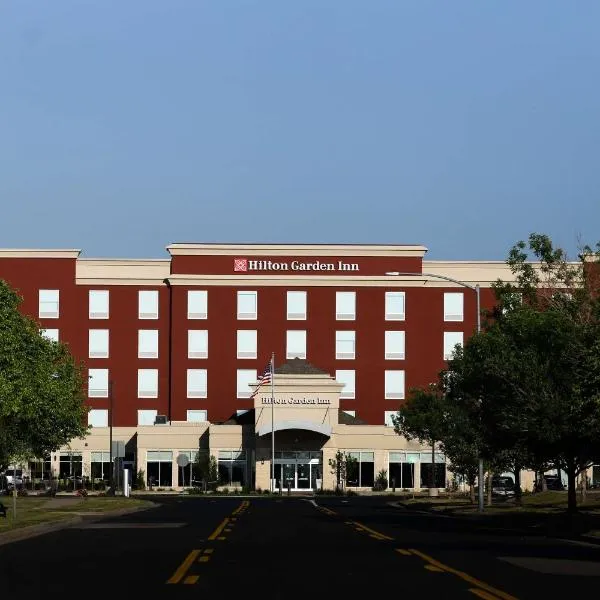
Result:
pixel 217 532
pixel 381 536
pixel 434 569
pixel 462 575
pixel 209 551
pixel 191 579
pixel 241 508
pixel 403 551
pixel 203 558
pixel 184 566
pixel 482 594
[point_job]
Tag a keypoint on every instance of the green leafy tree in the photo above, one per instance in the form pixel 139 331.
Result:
pixel 205 469
pixel 41 387
pixel 342 467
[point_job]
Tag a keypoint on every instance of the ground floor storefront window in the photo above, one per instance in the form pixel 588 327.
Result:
pixel 596 475
pixel 40 472
pixel 159 464
pixel 185 475
pixel 233 468
pixel 402 469
pixel 360 469
pixel 427 471
pixel 99 468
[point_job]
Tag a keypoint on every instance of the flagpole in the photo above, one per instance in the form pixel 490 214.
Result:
pixel 273 422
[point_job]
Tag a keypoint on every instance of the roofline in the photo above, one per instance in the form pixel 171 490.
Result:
pixel 39 253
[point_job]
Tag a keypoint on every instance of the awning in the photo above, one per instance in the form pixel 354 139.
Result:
pixel 322 428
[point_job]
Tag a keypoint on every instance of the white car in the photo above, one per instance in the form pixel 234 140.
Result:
pixel 13 477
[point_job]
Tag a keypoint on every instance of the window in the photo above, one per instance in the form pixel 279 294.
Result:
pixel 246 343
pixel 428 477
pixel 147 417
pixel 197 304
pixel 148 304
pixel 394 306
pixel 296 306
pixel 451 339
pixel 394 345
pixel 147 383
pixel 402 469
pixel 185 475
pixel 98 343
pixel 98 417
pixel 347 377
pixel 98 304
pixel 387 417
pixel 48 304
pixel 232 468
pixel 295 344
pixel 345 344
pixel 246 380
pixel 360 469
pixel 197 343
pixel 247 305
pixel 394 385
pixel 196 383
pixel 100 465
pixel 345 306
pixel 50 334
pixel 98 383
pixel 197 416
pixel 69 465
pixel 453 306
pixel 159 465
pixel 148 343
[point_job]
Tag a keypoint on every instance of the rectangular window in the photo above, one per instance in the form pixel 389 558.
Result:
pixel 197 304
pixel 148 343
pixel 345 345
pixel 453 306
pixel 348 378
pixel 451 339
pixel 360 469
pixel 394 385
pixel 246 382
pixel 394 345
pixel 98 304
pixel 296 306
pixel 197 416
pixel 232 468
pixel 295 344
pixel 98 383
pixel 394 306
pixel 98 343
pixel 50 334
pixel 402 469
pixel 247 305
pixel 98 417
pixel 147 417
pixel 147 383
pixel 197 343
pixel 48 304
pixel 197 383
pixel 387 417
pixel 246 343
pixel 148 304
pixel 345 306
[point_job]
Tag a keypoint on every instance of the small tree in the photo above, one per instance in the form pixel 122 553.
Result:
pixel 205 469
pixel 339 468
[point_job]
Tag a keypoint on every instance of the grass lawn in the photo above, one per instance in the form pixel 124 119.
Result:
pixel 35 510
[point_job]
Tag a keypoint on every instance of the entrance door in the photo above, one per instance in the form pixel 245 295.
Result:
pixel 289 475
pixel 303 470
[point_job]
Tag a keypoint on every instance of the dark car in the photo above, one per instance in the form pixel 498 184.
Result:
pixel 503 486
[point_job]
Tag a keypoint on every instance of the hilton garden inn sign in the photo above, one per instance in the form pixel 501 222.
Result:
pixel 243 265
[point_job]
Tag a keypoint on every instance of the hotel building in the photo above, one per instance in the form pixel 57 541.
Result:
pixel 176 346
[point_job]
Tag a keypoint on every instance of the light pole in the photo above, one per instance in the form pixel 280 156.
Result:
pixel 476 289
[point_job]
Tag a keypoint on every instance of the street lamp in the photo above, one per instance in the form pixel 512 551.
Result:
pixel 476 289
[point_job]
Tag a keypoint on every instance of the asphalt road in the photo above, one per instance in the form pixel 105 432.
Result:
pixel 293 548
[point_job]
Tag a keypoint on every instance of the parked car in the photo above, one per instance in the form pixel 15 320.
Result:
pixel 13 477
pixel 503 486
pixel 553 482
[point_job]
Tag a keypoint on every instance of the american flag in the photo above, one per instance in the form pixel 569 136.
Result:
pixel 263 379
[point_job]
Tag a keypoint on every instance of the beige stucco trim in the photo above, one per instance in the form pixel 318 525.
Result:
pixel 122 271
pixel 353 281
pixel 295 250
pixel 35 253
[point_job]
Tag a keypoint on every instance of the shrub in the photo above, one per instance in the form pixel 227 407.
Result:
pixel 381 481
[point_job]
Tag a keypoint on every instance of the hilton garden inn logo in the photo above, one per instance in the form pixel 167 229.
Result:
pixel 243 265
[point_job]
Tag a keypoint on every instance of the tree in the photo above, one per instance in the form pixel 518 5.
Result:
pixel 205 469
pixel 41 387
pixel 340 465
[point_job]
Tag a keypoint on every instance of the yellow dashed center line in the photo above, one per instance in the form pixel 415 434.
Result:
pixel 203 558
pixel 184 566
pixel 217 532
pixel 191 579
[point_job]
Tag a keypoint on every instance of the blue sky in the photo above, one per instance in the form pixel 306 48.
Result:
pixel 463 126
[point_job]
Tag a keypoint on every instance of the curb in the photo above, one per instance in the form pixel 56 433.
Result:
pixel 24 533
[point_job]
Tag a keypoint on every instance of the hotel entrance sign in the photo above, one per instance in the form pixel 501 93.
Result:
pixel 244 265
pixel 293 401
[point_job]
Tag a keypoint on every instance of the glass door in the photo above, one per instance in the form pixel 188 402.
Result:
pixel 289 476
pixel 303 471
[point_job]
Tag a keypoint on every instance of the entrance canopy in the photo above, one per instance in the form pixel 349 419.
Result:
pixel 322 428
